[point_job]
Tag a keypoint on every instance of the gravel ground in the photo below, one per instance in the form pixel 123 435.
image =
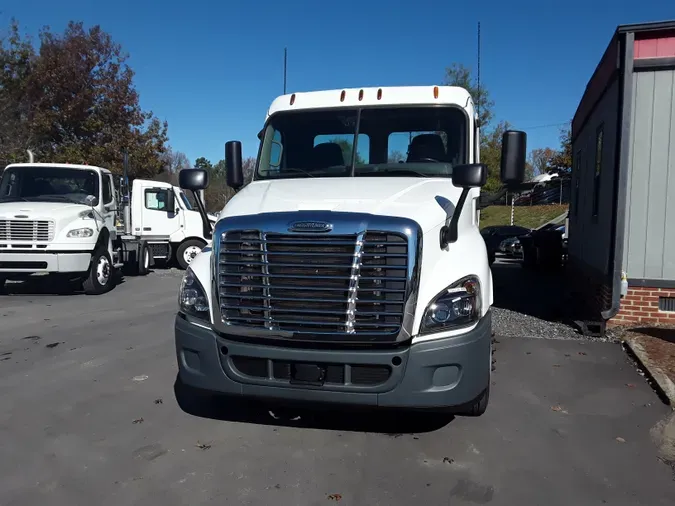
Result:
pixel 529 304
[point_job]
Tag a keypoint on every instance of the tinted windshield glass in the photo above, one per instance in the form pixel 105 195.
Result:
pixel 48 184
pixel 391 141
pixel 186 201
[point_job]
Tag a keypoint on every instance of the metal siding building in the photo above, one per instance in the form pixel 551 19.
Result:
pixel 621 222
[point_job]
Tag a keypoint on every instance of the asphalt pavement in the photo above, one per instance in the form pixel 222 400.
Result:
pixel 89 416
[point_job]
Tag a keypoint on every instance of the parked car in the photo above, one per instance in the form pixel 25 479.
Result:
pixel 545 247
pixel 511 247
pixel 494 235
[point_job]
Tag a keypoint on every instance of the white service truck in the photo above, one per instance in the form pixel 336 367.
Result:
pixel 351 269
pixel 70 221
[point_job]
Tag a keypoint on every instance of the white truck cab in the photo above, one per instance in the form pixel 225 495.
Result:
pixel 177 234
pixel 69 220
pixel 351 269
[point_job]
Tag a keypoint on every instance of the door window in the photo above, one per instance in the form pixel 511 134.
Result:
pixel 156 200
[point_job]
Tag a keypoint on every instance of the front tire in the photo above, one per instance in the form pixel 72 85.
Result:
pixel 187 251
pixel 101 276
pixel 478 406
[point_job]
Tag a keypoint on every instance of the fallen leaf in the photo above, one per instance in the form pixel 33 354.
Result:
pixel 138 420
pixel 334 497
pixel 159 401
pixel 448 460
pixel 567 354
pixel 556 408
pixel 621 440
pixel 556 365
pixel 142 377
pixel 52 345
pixel 630 385
pixel 528 353
pixel 582 353
pixel 202 446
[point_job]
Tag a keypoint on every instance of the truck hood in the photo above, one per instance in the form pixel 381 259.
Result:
pixel 427 201
pixel 40 210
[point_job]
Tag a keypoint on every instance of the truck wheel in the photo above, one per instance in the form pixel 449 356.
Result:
pixel 478 406
pixel 187 251
pixel 100 277
pixel 143 259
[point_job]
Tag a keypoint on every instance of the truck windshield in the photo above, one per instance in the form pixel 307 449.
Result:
pixel 421 141
pixel 186 201
pixel 48 184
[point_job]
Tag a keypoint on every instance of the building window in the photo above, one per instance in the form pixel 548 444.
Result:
pixel 598 166
pixel 577 178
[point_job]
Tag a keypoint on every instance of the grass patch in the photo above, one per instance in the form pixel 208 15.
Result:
pixel 525 216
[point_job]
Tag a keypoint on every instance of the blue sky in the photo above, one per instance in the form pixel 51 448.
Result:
pixel 211 69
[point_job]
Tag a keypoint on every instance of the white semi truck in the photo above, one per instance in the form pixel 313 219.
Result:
pixel 344 272
pixel 70 221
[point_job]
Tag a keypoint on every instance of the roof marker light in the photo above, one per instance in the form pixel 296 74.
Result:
pixel 342 96
pixel 379 94
pixel 292 98
pixel 435 91
pixel 360 95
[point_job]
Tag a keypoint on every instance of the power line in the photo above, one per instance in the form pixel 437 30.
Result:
pixel 550 125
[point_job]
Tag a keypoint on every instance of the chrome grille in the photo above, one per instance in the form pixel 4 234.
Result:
pixel 26 230
pixel 349 285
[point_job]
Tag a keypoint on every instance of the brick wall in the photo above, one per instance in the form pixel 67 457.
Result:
pixel 641 305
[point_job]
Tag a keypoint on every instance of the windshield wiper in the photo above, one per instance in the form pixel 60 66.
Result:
pixel 59 198
pixel 281 174
pixel 388 172
pixel 10 199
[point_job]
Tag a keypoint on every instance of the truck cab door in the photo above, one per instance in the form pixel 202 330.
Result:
pixel 157 220
pixel 109 207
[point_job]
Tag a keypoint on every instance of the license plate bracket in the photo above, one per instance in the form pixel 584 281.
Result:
pixel 308 374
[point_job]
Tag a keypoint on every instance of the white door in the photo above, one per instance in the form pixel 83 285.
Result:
pixel 109 204
pixel 157 220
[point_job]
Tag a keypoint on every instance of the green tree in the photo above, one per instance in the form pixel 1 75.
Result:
pixel 491 155
pixel 203 163
pixel 459 75
pixel 77 102
pixel 563 158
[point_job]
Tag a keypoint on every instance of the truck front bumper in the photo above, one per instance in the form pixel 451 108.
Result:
pixel 436 374
pixel 31 262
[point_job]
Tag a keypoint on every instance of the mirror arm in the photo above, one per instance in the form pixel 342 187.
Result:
pixel 448 232
pixel 208 231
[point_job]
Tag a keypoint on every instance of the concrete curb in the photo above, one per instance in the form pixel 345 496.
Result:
pixel 663 382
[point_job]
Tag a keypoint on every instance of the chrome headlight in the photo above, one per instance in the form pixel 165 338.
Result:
pixel 458 305
pixel 80 232
pixel 192 298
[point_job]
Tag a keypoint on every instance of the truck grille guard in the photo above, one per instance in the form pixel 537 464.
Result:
pixel 319 276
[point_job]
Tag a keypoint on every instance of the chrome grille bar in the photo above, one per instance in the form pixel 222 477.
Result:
pixel 27 230
pixel 313 285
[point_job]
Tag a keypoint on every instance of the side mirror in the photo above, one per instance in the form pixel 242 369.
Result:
pixel 193 179
pixel 514 153
pixel 170 201
pixel 467 176
pixel 233 165
pixel 91 201
pixel 470 175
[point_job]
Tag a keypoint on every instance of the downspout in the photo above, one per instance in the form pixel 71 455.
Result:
pixel 31 157
pixel 624 128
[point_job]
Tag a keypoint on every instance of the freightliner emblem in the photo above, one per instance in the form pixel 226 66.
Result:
pixel 310 226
